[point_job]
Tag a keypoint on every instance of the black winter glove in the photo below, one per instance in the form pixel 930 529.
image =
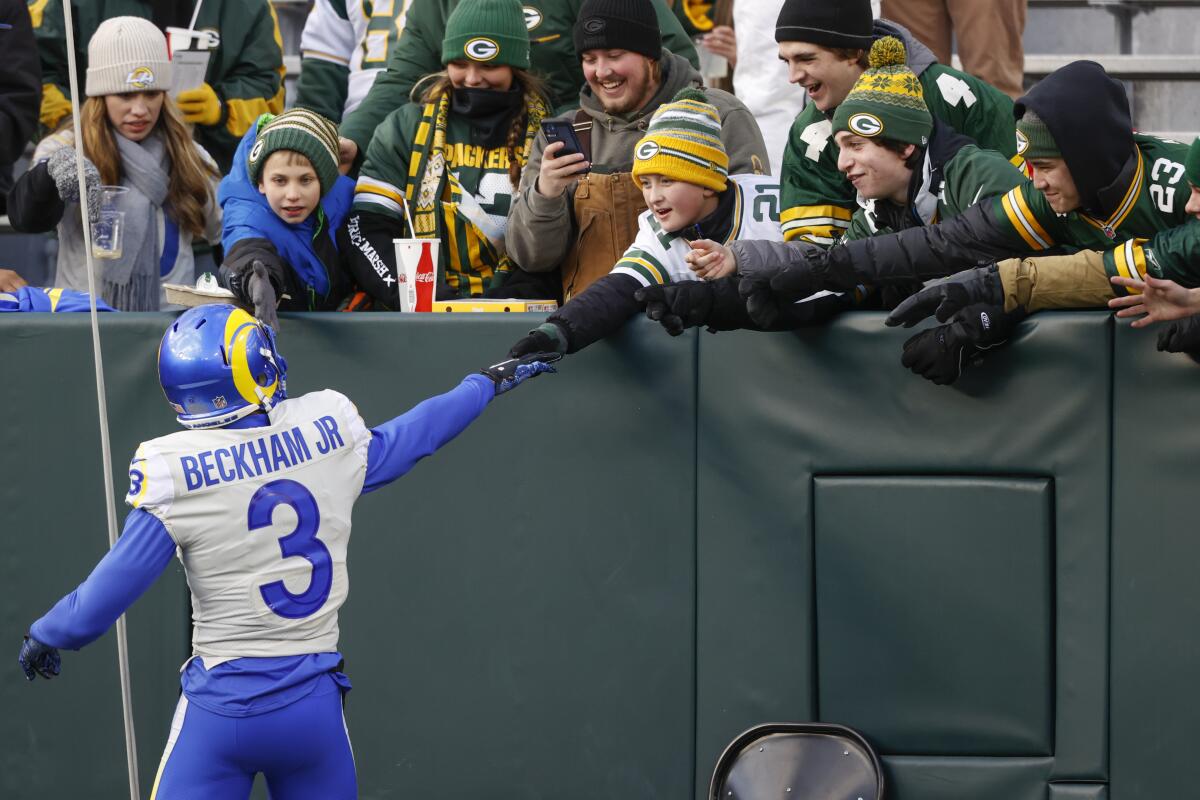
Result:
pixel 36 659
pixel 62 169
pixel 949 297
pixel 253 271
pixel 512 373
pixel 1181 336
pixel 679 306
pixel 893 294
pixel 545 338
pixel 939 354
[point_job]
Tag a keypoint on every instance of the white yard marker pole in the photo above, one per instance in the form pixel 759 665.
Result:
pixel 105 446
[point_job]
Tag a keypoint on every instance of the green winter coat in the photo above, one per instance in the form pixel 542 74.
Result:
pixel 552 57
pixel 245 70
pixel 818 201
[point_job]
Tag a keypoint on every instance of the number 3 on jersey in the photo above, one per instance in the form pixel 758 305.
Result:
pixel 302 542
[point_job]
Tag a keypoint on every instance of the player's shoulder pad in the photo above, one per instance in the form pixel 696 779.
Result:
pixel 151 486
pixel 330 401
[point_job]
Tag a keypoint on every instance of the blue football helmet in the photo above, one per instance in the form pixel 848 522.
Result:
pixel 217 364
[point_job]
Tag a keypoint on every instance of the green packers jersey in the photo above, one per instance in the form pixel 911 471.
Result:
pixel 1153 204
pixel 818 201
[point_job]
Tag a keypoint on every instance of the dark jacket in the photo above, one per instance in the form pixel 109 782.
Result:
pixel 20 88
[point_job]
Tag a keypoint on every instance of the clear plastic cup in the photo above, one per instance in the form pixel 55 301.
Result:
pixel 109 227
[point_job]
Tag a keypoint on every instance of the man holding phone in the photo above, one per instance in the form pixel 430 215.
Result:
pixel 577 208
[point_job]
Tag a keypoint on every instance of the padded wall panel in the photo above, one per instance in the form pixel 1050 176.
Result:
pixel 777 409
pixel 522 606
pixel 967 778
pixel 1156 552
pixel 64 738
pixel 935 612
pixel 1078 791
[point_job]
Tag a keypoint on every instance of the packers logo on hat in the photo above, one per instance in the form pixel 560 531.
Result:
pixel 256 151
pixel 481 49
pixel 646 151
pixel 865 124
pixel 594 25
pixel 1022 143
pixel 140 78
pixel 533 17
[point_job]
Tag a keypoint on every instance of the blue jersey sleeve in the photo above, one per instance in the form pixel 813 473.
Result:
pixel 398 444
pixel 126 571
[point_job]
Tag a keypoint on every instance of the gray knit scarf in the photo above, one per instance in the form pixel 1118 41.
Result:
pixel 131 282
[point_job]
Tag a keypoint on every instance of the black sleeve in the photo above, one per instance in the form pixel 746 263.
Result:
pixel 33 204
pixel 235 268
pixel 371 258
pixel 20 81
pixel 598 311
pixel 729 313
pixel 930 251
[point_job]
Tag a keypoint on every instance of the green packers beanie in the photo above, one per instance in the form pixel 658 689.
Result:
pixel 303 131
pixel 618 25
pixel 488 32
pixel 887 101
pixel 829 23
pixel 1191 164
pixel 1034 139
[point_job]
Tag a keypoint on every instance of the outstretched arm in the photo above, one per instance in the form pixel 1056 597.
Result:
pixel 122 576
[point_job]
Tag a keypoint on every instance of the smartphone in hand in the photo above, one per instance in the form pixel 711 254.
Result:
pixel 559 131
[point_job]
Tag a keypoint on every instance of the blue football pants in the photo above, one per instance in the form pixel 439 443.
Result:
pixel 302 749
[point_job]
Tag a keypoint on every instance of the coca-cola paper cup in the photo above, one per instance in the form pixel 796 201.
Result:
pixel 417 261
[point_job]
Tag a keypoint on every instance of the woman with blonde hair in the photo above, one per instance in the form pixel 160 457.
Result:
pixel 454 156
pixel 134 137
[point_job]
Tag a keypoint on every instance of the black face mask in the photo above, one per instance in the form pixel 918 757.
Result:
pixel 488 111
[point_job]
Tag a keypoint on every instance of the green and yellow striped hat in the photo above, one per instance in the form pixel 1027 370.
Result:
pixel 887 101
pixel 684 142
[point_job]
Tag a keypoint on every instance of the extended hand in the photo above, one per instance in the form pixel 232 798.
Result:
pixel 710 260
pixel 512 373
pixel 1181 337
pixel 262 295
pixel 545 338
pixel 1160 300
pixel 36 659
pixel 679 306
pixel 945 299
pixel 10 281
pixel 200 106
pixel 939 354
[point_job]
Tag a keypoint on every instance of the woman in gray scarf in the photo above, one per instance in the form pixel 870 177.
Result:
pixel 134 137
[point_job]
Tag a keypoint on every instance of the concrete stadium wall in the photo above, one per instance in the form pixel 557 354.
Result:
pixel 619 568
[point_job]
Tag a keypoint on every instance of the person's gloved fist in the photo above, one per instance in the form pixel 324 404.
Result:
pixel 200 106
pixel 679 306
pixel 512 373
pixel 36 659
pixel 262 295
pixel 545 338
pixel 939 354
pixel 947 298
pixel 61 168
pixel 1182 336
pixel 761 303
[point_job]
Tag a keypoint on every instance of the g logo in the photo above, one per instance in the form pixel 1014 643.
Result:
pixel 140 78
pixel 256 151
pixel 646 151
pixel 533 17
pixel 865 124
pixel 594 25
pixel 1022 143
pixel 481 49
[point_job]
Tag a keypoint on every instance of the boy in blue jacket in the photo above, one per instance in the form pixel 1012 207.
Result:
pixel 283 204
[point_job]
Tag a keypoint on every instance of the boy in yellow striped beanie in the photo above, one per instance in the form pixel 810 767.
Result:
pixel 693 202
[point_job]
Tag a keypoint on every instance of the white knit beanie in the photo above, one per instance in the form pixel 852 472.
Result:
pixel 127 54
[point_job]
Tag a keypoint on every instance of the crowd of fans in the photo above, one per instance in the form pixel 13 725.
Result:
pixel 428 119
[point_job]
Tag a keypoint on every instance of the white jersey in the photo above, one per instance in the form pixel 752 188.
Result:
pixel 656 256
pixel 355 34
pixel 261 518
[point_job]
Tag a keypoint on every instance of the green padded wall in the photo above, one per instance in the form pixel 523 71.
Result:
pixel 619 568
pixel 1156 553
pixel 803 442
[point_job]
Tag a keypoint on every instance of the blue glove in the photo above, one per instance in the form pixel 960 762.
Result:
pixel 511 373
pixel 38 659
